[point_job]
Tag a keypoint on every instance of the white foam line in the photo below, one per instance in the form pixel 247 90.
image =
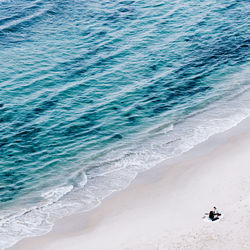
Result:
pixel 16 22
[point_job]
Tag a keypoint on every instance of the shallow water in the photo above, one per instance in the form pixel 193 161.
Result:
pixel 93 92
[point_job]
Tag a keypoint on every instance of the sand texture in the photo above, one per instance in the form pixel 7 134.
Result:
pixel 163 207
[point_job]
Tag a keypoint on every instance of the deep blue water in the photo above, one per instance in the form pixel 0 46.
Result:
pixel 93 92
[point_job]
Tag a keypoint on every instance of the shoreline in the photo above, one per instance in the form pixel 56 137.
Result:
pixel 152 211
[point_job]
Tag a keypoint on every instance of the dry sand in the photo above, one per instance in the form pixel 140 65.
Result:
pixel 163 207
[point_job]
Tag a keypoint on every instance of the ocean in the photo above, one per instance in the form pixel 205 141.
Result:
pixel 94 92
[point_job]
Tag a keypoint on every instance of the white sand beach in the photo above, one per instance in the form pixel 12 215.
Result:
pixel 163 207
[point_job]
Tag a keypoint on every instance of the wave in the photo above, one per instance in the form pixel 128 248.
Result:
pixel 36 220
pixel 116 168
pixel 21 13
pixel 11 25
pixel 94 95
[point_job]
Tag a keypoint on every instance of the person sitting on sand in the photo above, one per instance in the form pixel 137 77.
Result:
pixel 214 215
pixel 216 212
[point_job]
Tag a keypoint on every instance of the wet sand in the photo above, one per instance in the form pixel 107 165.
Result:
pixel 163 207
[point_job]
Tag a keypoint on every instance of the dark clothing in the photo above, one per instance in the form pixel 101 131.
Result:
pixel 216 218
pixel 212 216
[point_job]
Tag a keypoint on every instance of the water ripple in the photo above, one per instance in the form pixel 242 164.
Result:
pixel 93 92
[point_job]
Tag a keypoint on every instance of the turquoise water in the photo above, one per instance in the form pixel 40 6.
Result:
pixel 94 92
